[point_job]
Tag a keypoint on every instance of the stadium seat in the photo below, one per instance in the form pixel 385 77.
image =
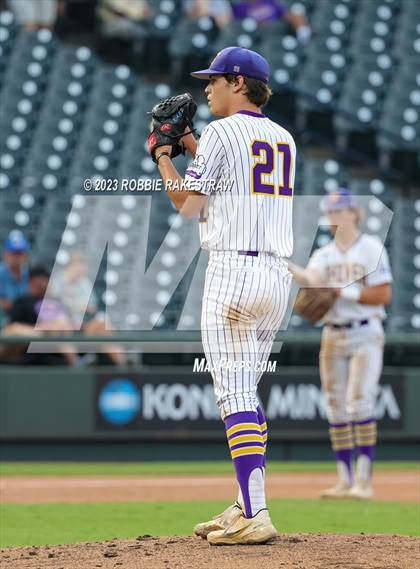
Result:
pixel 65 116
pixel 405 252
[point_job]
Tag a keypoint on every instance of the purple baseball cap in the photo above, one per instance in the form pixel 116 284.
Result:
pixel 16 242
pixel 339 199
pixel 237 61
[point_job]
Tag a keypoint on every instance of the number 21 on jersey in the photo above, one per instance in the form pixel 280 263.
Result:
pixel 264 165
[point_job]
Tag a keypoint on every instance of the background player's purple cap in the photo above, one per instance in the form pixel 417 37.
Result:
pixel 340 199
pixel 237 61
pixel 16 242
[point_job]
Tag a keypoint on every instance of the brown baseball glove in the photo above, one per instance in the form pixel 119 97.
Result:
pixel 314 303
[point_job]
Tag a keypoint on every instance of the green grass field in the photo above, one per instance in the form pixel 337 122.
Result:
pixel 38 524
pixel 70 523
pixel 169 468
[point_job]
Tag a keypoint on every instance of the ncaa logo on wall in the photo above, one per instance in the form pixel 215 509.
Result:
pixel 118 403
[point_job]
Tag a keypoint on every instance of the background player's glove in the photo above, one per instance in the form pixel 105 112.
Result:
pixel 314 303
pixel 170 119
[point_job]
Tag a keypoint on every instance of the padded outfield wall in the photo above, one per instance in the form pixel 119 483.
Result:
pixel 149 413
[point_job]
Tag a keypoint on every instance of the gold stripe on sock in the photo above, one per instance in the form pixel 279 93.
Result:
pixel 366 435
pixel 342 441
pixel 246 450
pixel 365 427
pixel 245 439
pixel 341 436
pixel 366 432
pixel 243 427
pixel 365 441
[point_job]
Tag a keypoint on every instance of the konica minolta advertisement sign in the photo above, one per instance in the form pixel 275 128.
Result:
pixel 149 403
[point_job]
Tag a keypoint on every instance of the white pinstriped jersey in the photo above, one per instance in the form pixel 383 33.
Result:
pixel 365 263
pixel 246 164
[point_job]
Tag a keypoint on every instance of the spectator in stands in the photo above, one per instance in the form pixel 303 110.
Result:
pixel 36 314
pixel 35 14
pixel 219 10
pixel 265 11
pixel 76 19
pixel 75 289
pixel 73 286
pixel 124 19
pixel 13 269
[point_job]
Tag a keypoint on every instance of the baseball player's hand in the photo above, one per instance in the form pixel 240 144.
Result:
pixel 351 292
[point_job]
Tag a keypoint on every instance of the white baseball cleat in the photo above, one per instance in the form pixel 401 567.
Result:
pixel 245 531
pixel 361 491
pixel 341 490
pixel 219 522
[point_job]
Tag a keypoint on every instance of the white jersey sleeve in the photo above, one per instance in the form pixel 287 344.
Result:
pixel 205 170
pixel 382 272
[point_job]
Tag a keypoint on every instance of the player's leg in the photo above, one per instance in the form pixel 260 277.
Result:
pixel 247 448
pixel 270 316
pixel 237 390
pixel 232 316
pixel 211 323
pixel 267 327
pixel 364 374
pixel 334 378
pixel 228 340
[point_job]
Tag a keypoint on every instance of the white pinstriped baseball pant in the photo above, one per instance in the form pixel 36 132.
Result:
pixel 244 302
pixel 351 367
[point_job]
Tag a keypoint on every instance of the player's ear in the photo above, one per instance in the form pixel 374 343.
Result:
pixel 239 84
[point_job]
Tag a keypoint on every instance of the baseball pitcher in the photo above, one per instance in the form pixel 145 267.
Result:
pixel 240 185
pixel 356 269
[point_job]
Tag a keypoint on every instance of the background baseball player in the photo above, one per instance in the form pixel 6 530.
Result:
pixel 248 232
pixel 356 265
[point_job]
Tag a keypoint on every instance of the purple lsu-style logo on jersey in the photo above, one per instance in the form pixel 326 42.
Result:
pixel 198 167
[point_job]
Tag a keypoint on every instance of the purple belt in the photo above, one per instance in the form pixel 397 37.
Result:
pixel 349 324
pixel 249 253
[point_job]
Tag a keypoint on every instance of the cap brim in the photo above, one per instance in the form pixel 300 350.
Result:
pixel 205 73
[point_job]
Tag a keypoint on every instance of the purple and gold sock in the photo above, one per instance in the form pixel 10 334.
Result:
pixel 341 436
pixel 365 437
pixel 246 445
pixel 264 432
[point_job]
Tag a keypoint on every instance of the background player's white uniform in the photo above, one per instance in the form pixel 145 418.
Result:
pixel 351 358
pixel 247 228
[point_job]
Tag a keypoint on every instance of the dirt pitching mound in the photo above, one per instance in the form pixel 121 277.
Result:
pixel 304 551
